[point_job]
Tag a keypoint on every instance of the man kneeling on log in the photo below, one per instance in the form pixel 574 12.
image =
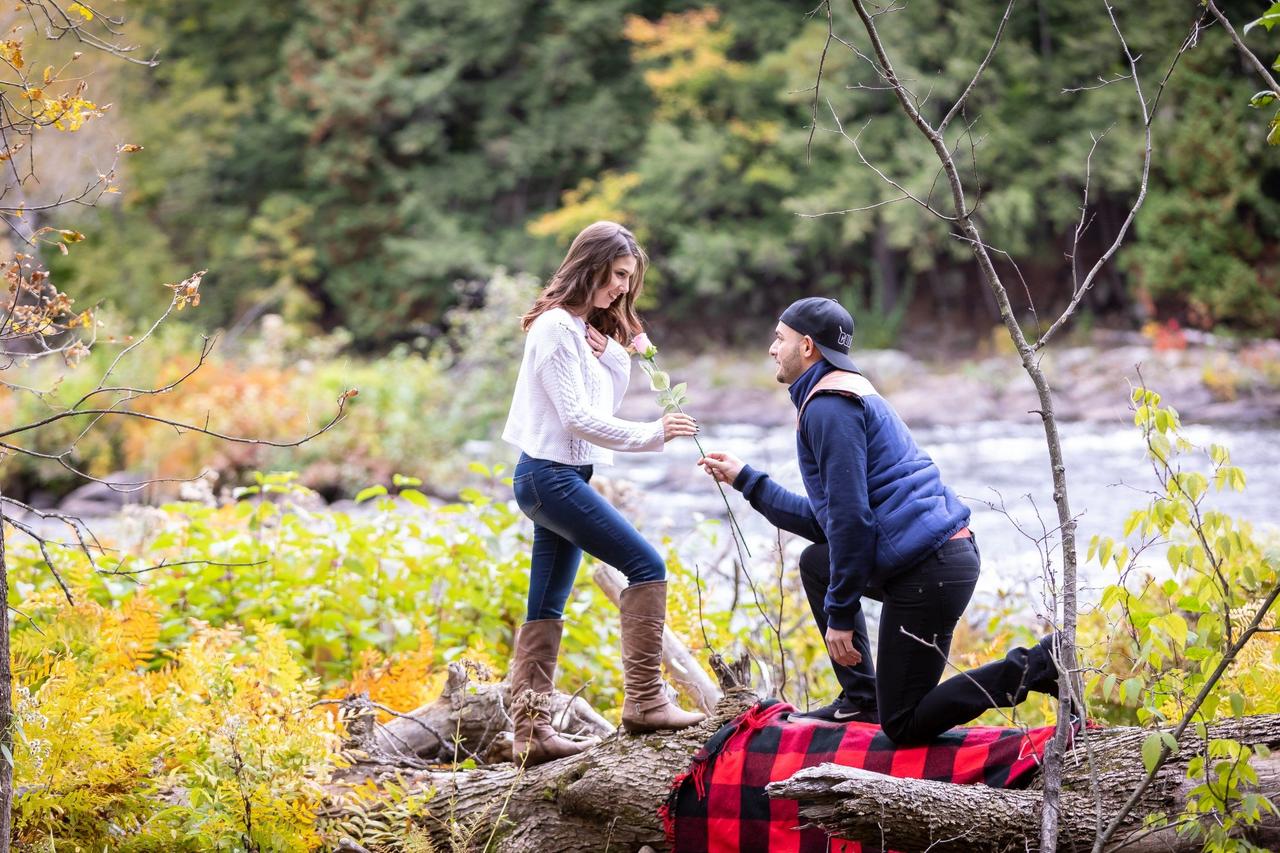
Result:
pixel 883 526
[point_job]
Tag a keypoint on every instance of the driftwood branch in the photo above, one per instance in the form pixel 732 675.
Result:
pixel 469 720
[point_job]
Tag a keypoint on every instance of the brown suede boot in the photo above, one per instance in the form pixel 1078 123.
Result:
pixel 532 688
pixel 646 707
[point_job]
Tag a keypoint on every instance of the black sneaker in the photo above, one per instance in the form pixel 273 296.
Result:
pixel 842 711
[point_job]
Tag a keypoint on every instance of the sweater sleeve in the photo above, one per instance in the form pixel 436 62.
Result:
pixel 838 438
pixel 560 372
pixel 617 363
pixel 786 510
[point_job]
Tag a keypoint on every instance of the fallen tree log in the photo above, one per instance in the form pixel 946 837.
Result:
pixel 911 814
pixel 604 798
pixel 608 796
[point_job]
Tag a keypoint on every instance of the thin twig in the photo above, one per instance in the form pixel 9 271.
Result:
pixel 853 140
pixel 1148 117
pixel 186 427
pixel 977 74
pixel 817 86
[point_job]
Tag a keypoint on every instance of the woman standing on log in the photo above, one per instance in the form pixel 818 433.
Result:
pixel 572 378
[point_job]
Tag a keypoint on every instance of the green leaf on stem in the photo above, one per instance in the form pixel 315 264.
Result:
pixel 1268 20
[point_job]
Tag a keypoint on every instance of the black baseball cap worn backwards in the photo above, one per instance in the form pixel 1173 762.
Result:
pixel 830 326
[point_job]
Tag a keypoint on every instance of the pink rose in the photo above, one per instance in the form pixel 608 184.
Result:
pixel 643 347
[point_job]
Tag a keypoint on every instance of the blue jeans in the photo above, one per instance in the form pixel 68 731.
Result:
pixel 570 517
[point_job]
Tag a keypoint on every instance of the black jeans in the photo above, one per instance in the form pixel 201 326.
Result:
pixel 857 683
pixel 922 606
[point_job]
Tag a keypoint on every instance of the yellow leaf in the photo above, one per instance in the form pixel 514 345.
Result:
pixel 81 11
pixel 129 148
pixel 48 73
pixel 11 52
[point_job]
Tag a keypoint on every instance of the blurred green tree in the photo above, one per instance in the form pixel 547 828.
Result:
pixel 348 165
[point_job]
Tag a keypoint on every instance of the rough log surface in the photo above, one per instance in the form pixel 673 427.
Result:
pixel 605 798
pixel 608 797
pixel 907 814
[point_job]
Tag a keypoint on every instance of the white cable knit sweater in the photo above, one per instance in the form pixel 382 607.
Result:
pixel 565 397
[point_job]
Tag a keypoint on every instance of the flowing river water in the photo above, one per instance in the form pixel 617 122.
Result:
pixel 1000 470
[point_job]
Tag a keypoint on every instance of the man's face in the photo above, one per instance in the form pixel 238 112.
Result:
pixel 792 352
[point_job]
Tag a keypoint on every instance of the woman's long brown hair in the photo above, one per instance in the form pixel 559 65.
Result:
pixel 586 267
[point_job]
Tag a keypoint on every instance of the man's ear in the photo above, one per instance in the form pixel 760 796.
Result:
pixel 808 347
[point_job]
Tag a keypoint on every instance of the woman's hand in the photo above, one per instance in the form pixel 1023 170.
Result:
pixel 724 467
pixel 597 341
pixel 677 424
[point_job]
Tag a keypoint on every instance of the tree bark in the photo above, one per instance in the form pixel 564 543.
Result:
pixel 910 814
pixel 604 798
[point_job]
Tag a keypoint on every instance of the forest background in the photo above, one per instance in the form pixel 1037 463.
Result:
pixel 358 174
pixel 377 191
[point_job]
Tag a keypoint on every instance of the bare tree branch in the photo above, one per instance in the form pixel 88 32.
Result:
pixel 977 74
pixel 192 281
pixel 1102 83
pixel 179 425
pixel 862 209
pixel 43 544
pixel 853 140
pixel 1148 116
pixel 817 85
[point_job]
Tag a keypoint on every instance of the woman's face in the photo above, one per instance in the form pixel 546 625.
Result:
pixel 618 282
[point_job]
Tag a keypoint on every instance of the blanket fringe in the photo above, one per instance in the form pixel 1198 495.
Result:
pixel 737 730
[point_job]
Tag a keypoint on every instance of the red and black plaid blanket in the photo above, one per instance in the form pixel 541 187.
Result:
pixel 719 804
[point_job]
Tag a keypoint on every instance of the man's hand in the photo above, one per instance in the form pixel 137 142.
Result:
pixel 724 467
pixel 840 645
pixel 597 341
